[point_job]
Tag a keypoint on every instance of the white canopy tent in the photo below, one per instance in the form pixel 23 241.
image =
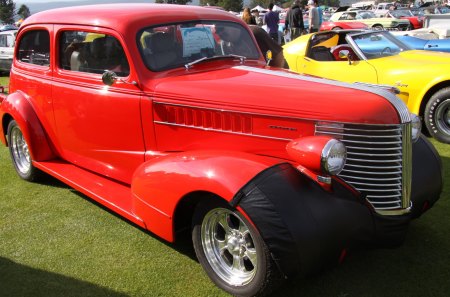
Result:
pixel 277 8
pixel 259 8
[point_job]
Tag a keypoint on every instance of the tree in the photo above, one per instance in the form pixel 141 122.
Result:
pixel 7 11
pixel 23 11
pixel 233 5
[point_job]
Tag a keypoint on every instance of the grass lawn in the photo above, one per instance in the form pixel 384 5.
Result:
pixel 56 242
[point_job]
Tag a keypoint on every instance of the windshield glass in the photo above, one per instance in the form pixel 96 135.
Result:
pixel 377 44
pixel 401 13
pixel 175 45
pixel 364 15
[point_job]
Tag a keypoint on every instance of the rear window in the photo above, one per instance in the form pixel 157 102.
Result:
pixel 34 48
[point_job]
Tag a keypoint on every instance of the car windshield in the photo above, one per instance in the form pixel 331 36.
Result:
pixel 366 15
pixel 176 45
pixel 376 44
pixel 401 13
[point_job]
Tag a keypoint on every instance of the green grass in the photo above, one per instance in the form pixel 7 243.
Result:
pixel 56 242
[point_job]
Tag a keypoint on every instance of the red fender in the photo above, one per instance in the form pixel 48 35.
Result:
pixel 159 185
pixel 21 110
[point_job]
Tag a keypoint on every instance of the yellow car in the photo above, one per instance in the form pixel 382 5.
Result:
pixel 377 57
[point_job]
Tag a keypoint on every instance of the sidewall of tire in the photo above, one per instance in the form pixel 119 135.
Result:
pixel 259 284
pixel 430 115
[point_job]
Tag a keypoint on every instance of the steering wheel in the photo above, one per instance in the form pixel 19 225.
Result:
pixel 386 50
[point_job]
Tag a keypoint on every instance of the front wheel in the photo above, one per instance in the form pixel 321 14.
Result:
pixel 377 27
pixel 231 251
pixel 20 153
pixel 437 115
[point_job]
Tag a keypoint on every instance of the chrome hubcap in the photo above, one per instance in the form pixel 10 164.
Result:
pixel 228 246
pixel 20 152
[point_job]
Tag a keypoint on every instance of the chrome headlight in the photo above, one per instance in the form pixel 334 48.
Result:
pixel 333 157
pixel 416 127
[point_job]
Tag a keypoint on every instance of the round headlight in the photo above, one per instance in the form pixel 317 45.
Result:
pixel 416 127
pixel 333 157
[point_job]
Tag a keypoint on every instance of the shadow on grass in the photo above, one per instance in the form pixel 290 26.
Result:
pixel 20 280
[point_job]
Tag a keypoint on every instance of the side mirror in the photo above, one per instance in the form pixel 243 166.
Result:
pixel 345 55
pixel 109 77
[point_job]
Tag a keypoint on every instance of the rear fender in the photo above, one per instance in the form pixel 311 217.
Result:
pixel 19 108
pixel 160 184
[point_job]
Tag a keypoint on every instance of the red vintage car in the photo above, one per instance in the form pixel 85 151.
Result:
pixel 169 116
pixel 415 21
pixel 329 25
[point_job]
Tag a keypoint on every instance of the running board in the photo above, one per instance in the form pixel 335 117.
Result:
pixel 112 195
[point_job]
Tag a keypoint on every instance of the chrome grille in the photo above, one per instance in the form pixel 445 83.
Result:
pixel 375 161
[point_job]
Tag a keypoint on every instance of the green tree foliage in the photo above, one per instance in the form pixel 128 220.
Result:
pixel 233 5
pixel 23 11
pixel 7 11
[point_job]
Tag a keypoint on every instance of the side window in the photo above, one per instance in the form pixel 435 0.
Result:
pixel 2 40
pixel 92 53
pixel 10 40
pixel 34 48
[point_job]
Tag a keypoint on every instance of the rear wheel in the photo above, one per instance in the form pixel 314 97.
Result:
pixel 20 153
pixel 437 115
pixel 336 28
pixel 231 250
pixel 377 27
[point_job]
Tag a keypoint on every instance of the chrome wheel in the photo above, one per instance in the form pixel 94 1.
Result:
pixel 229 247
pixel 19 151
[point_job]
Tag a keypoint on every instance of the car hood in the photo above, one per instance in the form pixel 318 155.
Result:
pixel 419 58
pixel 279 93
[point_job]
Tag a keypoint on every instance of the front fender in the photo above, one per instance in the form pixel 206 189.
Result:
pixel 20 109
pixel 159 185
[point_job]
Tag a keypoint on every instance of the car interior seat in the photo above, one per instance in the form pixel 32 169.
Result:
pixel 321 53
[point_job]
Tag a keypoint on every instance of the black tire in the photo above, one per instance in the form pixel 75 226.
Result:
pixel 377 27
pixel 20 154
pixel 437 115
pixel 336 28
pixel 255 273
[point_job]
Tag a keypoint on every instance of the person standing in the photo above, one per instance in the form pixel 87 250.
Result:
pixel 271 19
pixel 313 17
pixel 258 18
pixel 247 17
pixel 294 20
pixel 319 12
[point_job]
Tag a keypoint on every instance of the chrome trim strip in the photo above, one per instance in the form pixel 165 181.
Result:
pixel 407 164
pixel 399 105
pixel 373 173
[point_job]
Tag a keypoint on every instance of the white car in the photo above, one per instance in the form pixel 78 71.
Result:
pixel 7 41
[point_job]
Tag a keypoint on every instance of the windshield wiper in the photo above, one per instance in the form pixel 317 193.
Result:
pixel 189 65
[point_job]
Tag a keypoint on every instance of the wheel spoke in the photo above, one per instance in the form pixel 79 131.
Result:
pixel 238 263
pixel 243 228
pixel 221 245
pixel 252 256
pixel 223 222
